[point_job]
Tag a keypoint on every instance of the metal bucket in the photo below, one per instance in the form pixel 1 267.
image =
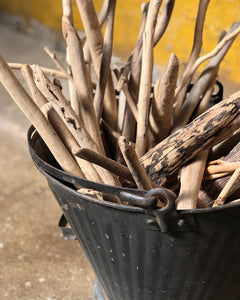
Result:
pixel 147 254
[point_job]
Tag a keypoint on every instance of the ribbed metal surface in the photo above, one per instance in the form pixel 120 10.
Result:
pixel 134 260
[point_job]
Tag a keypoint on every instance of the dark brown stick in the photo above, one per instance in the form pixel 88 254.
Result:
pixel 103 161
pixel 133 163
pixel 207 130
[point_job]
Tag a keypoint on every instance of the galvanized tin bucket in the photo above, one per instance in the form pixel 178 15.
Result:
pixel 140 253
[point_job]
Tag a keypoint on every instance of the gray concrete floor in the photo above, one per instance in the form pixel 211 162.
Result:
pixel 35 261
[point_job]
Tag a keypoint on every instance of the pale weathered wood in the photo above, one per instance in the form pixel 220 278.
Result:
pixel 74 124
pixel 146 77
pixel 191 175
pixel 196 48
pixel 106 60
pixel 95 40
pixel 81 82
pixel 210 128
pixel 160 118
pixel 37 118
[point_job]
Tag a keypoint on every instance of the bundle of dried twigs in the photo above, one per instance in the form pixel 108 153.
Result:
pixel 149 135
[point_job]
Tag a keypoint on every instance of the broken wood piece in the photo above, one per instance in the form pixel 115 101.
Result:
pixel 162 103
pixel 134 166
pixel 191 179
pixel 207 130
pixel 227 190
pixel 37 118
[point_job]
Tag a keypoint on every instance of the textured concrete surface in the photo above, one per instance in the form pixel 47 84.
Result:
pixel 35 261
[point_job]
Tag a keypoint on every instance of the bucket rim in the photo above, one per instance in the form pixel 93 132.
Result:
pixel 33 134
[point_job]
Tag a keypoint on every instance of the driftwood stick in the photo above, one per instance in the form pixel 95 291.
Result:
pixel 37 96
pixel 36 117
pixel 54 94
pixel 69 141
pixel 191 178
pixel 227 190
pixel 134 67
pixel 146 77
pixel 53 56
pixel 205 131
pixel 220 166
pixel 133 163
pixel 95 41
pixel 67 9
pixel 215 51
pixel 106 60
pixel 103 161
pixel 162 104
pixel 196 48
pixel 82 84
pixel 164 19
pixel 211 189
pixel 192 175
pixel 48 71
pixel 200 86
pixel 223 148
pixel 129 98
pixel 102 14
pixel 109 129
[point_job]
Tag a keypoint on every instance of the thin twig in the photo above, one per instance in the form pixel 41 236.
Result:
pixel 196 49
pixel 209 55
pixel 48 71
pixel 200 86
pixel 59 65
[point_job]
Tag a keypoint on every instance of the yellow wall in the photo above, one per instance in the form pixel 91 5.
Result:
pixel 179 35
